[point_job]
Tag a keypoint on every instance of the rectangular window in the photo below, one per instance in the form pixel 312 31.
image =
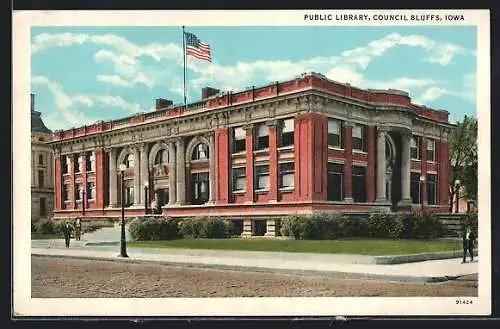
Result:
pixel 431 150
pixel 335 133
pixel 286 133
pixel 90 162
pixel 431 189
pixel 415 187
pixel 40 159
pixel 359 183
pixel 90 191
pixel 239 136
pixel 66 165
pixel 262 138
pixel 239 179
pixel 81 163
pixel 287 172
pixel 358 137
pixel 41 179
pixel 129 196
pixel 43 207
pixel 200 187
pixel 262 177
pixel 335 186
pixel 78 192
pixel 415 148
pixel 65 192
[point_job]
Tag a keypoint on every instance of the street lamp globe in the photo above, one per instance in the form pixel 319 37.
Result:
pixel 122 167
pixel 422 178
pixel 146 184
pixel 457 182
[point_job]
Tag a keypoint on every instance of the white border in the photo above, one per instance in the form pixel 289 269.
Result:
pixel 24 305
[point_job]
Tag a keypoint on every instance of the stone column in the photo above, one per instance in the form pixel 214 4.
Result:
pixel 172 184
pixel 249 170
pixel 181 172
pixel 211 174
pixel 247 227
pixel 270 227
pixel 113 179
pixel 137 177
pixel 144 170
pixel 381 131
pixel 405 169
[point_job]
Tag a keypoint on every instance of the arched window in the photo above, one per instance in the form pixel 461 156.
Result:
pixel 200 152
pixel 161 157
pixel 129 161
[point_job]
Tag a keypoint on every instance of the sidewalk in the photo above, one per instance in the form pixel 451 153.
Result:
pixel 331 265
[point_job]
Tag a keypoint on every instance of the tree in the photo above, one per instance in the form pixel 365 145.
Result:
pixel 463 152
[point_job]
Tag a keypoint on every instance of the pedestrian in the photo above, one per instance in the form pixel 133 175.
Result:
pixel 67 230
pixel 153 206
pixel 468 244
pixel 78 229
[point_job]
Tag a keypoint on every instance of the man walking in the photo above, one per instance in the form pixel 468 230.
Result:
pixel 66 230
pixel 468 244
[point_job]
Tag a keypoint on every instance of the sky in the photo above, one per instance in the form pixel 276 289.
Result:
pixel 81 75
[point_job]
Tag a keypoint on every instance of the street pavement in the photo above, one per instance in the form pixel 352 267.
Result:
pixel 103 244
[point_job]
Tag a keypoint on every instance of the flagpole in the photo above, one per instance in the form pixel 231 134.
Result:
pixel 184 56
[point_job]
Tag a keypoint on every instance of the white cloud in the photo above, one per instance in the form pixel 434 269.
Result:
pixel 432 93
pixel 114 80
pixel 67 115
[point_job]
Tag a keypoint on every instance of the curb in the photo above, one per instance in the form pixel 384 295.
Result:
pixel 330 274
pixel 390 260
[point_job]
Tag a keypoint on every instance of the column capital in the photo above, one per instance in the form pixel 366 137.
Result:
pixel 349 124
pixel 406 133
pixel 272 123
pixel 382 130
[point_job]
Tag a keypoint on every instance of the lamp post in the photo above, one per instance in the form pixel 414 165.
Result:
pixel 457 193
pixel 146 184
pixel 123 242
pixel 422 180
pixel 83 203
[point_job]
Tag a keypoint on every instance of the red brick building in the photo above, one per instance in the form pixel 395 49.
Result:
pixel 300 146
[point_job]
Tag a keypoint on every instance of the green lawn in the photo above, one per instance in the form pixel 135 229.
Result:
pixel 373 247
pixel 40 236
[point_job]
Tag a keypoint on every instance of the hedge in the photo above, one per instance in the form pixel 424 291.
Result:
pixel 50 226
pixel 470 220
pixel 154 228
pixel 206 227
pixel 332 226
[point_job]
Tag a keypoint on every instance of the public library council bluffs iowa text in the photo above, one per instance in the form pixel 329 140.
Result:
pixel 307 145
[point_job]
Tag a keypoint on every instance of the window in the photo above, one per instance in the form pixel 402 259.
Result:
pixel 78 192
pixel 286 174
pixel 239 179
pixel 81 162
pixel 335 133
pixel 91 191
pixel 262 177
pixel 262 139
pixel 90 163
pixel 335 186
pixel 67 165
pixel 431 148
pixel 40 159
pixel 200 152
pixel 431 189
pixel 359 183
pixel 161 157
pixel 415 187
pixel 239 136
pixel 129 161
pixel 65 193
pixel 358 137
pixel 200 187
pixel 286 133
pixel 43 207
pixel 415 148
pixel 129 196
pixel 41 179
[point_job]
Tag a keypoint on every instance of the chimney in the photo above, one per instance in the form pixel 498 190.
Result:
pixel 162 103
pixel 208 92
pixel 32 102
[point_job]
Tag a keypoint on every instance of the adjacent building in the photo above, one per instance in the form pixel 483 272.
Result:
pixel 301 146
pixel 42 180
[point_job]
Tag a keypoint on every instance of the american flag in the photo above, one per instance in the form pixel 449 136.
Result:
pixel 196 48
